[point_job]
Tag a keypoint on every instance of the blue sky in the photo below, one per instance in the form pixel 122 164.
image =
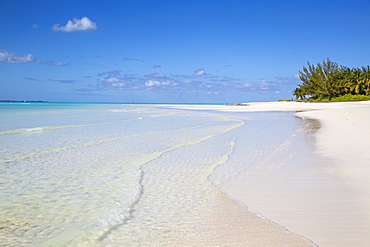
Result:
pixel 219 51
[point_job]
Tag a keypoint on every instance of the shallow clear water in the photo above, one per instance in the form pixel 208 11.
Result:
pixel 122 175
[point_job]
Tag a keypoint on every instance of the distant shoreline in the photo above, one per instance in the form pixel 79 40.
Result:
pixel 87 102
pixel 32 101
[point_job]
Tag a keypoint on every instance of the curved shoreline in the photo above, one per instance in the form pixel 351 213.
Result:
pixel 332 186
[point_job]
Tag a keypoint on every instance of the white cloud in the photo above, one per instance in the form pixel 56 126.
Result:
pixel 200 71
pixel 151 83
pixel 35 26
pixel 11 57
pixel 244 84
pixel 156 75
pixel 111 80
pixel 85 24
pixel 118 84
pixel 110 83
pixel 267 85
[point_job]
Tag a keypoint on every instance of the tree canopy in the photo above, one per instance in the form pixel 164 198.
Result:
pixel 328 79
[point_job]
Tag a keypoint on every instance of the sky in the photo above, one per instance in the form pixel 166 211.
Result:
pixel 173 51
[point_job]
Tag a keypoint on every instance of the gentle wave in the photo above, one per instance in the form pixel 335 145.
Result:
pixel 52 150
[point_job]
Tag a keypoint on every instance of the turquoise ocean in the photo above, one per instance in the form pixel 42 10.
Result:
pixel 80 174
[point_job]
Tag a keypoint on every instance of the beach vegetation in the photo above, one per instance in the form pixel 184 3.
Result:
pixel 329 81
pixel 351 97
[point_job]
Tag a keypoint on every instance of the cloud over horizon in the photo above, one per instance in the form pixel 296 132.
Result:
pixel 198 83
pixel 76 25
pixel 11 57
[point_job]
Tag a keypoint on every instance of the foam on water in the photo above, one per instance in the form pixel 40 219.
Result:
pixel 129 175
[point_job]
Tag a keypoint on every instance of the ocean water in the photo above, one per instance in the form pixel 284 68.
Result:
pixel 131 175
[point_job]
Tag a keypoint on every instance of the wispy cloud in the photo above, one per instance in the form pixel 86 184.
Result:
pixel 84 89
pixel 288 79
pixel 76 25
pixel 109 80
pixel 53 63
pixel 156 75
pixel 267 85
pixel 64 81
pixel 132 59
pixel 110 73
pixel 31 78
pixel 11 57
pixel 156 66
pixel 35 26
pixel 110 83
pixel 282 78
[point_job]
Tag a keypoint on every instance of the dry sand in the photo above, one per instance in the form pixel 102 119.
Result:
pixel 322 194
pixel 344 139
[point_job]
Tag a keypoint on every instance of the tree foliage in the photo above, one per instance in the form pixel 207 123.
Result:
pixel 328 79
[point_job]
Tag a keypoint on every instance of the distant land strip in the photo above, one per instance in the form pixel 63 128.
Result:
pixel 22 100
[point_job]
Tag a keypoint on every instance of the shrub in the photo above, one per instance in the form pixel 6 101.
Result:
pixel 350 97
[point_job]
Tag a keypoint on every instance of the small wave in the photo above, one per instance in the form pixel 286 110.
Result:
pixel 47 128
pixel 52 150
pixel 38 129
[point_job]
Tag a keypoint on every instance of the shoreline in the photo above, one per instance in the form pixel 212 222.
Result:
pixel 323 197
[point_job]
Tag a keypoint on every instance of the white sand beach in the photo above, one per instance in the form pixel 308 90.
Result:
pixel 324 196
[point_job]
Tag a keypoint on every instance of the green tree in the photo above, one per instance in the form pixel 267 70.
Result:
pixel 363 84
pixel 327 80
pixel 320 80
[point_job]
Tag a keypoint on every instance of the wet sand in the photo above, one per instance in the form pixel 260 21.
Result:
pixel 322 194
